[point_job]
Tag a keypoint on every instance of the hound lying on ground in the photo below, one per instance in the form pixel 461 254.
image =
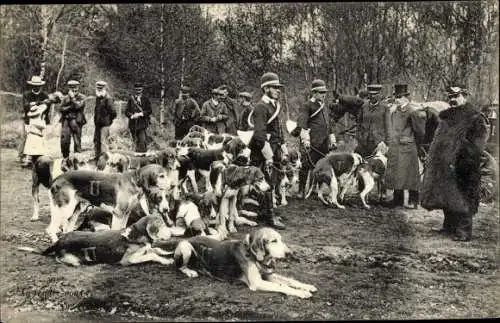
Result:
pixel 116 190
pixel 250 261
pixel 131 245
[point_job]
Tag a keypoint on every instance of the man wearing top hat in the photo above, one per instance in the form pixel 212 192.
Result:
pixel 245 121
pixel 31 98
pixel 138 112
pixel 452 176
pixel 214 113
pixel 268 143
pixel 405 131
pixel 104 114
pixel 186 113
pixel 72 118
pixel 232 109
pixel 316 133
pixel 371 131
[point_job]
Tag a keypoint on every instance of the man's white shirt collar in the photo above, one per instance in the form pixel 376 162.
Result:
pixel 216 103
pixel 268 100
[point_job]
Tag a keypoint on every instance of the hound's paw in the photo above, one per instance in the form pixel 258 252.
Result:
pixel 252 223
pixel 309 288
pixel 367 207
pixel 34 218
pixel 284 203
pixel 167 262
pixel 341 206
pixel 303 294
pixel 232 228
pixel 189 272
pixel 102 227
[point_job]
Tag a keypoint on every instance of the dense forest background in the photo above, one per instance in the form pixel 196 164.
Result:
pixel 425 44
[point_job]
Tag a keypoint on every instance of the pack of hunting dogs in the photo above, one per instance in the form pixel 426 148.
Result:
pixel 115 208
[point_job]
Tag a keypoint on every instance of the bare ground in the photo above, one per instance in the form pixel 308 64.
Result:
pixel 375 264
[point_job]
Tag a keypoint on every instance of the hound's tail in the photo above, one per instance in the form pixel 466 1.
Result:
pixel 37 251
pixel 50 250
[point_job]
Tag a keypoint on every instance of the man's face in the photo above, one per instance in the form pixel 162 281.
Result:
pixel 373 97
pixel 138 91
pixel 73 89
pixel 36 88
pixel 245 102
pixel 456 100
pixel 319 96
pixel 273 92
pixel 184 95
pixel 401 100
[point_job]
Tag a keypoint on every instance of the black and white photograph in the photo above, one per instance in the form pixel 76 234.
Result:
pixel 305 161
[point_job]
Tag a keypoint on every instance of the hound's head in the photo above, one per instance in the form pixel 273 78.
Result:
pixel 148 229
pixel 292 168
pixel 158 201
pixel 240 176
pixel 75 161
pixel 155 175
pixel 168 158
pixel 207 205
pixel 265 245
pixel 381 149
pixel 238 150
pixel 192 143
pixel 197 128
pixel 116 163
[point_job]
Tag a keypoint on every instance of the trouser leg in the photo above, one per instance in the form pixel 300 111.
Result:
pixel 413 197
pixel 398 197
pixel 449 222
pixel 76 133
pixel 24 135
pixel 65 138
pixel 464 226
pixel 97 141
pixel 141 144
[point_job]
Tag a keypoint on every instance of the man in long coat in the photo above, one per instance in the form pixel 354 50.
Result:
pixel 452 175
pixel 104 114
pixel 232 110
pixel 316 135
pixel 405 131
pixel 245 121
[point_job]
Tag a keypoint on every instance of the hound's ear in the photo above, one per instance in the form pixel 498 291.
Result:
pixel 153 228
pixel 255 244
pixel 148 177
pixel 123 164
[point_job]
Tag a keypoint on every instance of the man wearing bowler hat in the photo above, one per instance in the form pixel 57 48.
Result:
pixel 138 112
pixel 268 143
pixel 186 113
pixel 405 131
pixel 104 114
pixel 72 119
pixel 316 133
pixel 31 98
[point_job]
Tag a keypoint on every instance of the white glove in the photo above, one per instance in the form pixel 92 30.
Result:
pixel 284 151
pixel 267 152
pixel 333 141
pixel 305 138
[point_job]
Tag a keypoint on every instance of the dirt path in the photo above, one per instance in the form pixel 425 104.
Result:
pixel 376 264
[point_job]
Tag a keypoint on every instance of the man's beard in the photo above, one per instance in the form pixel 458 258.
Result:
pixel 100 93
pixel 36 91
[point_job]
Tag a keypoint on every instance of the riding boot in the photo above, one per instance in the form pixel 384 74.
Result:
pixel 268 215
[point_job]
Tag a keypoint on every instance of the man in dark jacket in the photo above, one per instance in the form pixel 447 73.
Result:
pixel 33 97
pixel 186 113
pixel 72 119
pixel 268 142
pixel 316 133
pixel 232 110
pixel 452 175
pixel 245 121
pixel 104 114
pixel 138 112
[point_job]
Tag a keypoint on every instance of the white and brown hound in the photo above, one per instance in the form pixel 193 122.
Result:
pixel 250 260
pixel 131 245
pixel 117 190
pixel 46 169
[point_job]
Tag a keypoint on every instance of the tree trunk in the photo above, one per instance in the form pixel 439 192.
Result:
pixel 45 19
pixel 63 55
pixel 162 69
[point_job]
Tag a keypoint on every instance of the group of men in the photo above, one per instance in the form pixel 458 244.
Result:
pixel 451 179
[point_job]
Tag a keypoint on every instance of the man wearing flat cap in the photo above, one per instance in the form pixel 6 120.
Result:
pixel 138 112
pixel 316 132
pixel 452 176
pixel 214 113
pixel 245 121
pixel 405 132
pixel 33 97
pixel 186 113
pixel 232 109
pixel 268 143
pixel 72 118
pixel 104 114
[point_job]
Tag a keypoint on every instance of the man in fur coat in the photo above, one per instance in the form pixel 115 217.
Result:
pixel 452 169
